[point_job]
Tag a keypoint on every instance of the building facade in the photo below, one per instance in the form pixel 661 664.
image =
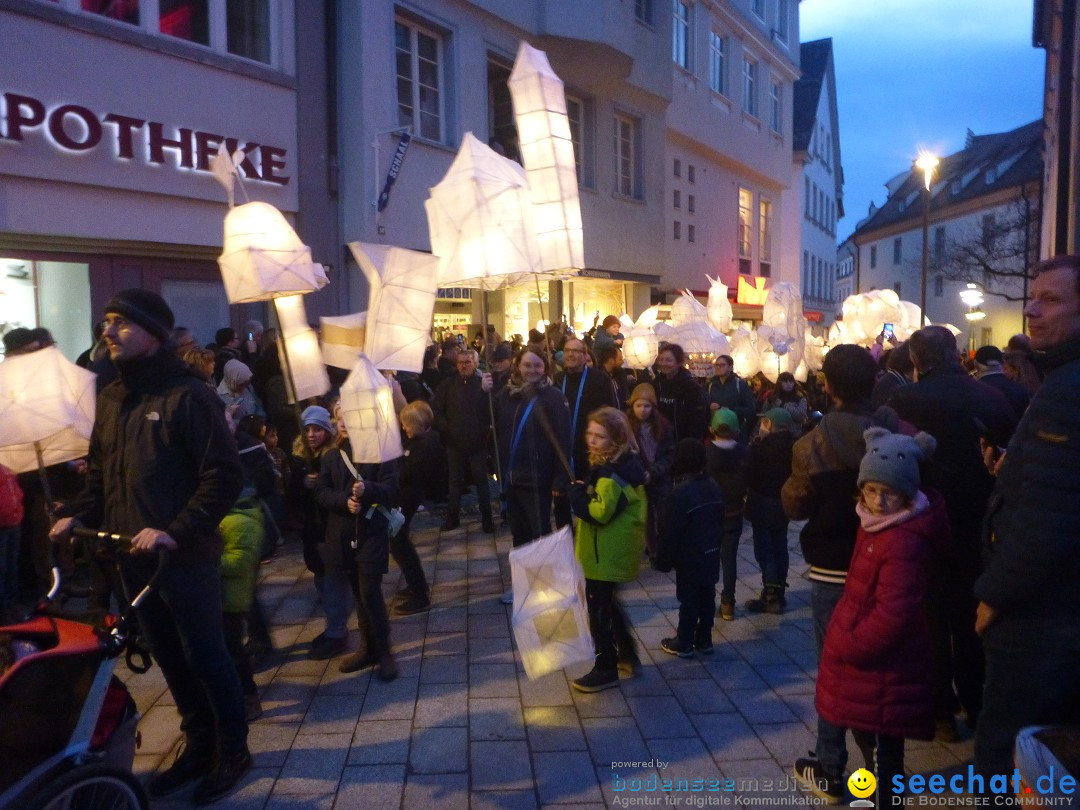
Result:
pixel 111 115
pixel 817 182
pixel 983 230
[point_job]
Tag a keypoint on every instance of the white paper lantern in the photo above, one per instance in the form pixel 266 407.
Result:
pixel 400 304
pixel 342 338
pixel 814 351
pixel 298 346
pixel 367 405
pixel 481 221
pixel 838 333
pixel 548 154
pixel 263 258
pixel 46 406
pixel 718 309
pixel 744 353
pixel 687 309
pixel 702 344
pixel 640 342
pixel 910 320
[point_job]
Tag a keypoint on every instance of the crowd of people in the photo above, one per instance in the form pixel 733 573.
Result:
pixel 939 507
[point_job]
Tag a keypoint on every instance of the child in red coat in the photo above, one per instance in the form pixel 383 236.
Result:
pixel 876 675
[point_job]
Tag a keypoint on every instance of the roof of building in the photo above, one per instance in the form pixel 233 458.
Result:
pixel 813 62
pixel 987 164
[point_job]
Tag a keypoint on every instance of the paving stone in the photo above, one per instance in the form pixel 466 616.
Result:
pixel 444 669
pixel 495 719
pixel 614 739
pixel 554 728
pixel 488 625
pixel 565 776
pixel 785 679
pixel 728 737
pixel 160 728
pixel 286 700
pixel 734 675
pixel 701 697
pixel 380 742
pixel 270 743
pixel 439 750
pixel 549 690
pixel 759 706
pixel 395 700
pixel 493 680
pixel 336 714
pixel 428 791
pixel 370 786
pixel 660 716
pixel 287 801
pixel 314 764
pixel 501 765
pixel 442 704
pixel 506 800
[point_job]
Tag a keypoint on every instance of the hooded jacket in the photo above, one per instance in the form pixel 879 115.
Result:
pixel 690 532
pixel 875 672
pixel 242 532
pixel 682 402
pixel 161 457
pixel 610 535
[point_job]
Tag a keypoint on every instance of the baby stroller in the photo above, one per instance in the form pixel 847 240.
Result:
pixel 67 724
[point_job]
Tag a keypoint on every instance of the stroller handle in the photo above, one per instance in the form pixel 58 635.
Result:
pixel 121 544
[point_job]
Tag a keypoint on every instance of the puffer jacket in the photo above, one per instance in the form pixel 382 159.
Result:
pixel 690 531
pixel 875 672
pixel 369 528
pixel 161 457
pixel 610 535
pixel 1030 531
pixel 242 533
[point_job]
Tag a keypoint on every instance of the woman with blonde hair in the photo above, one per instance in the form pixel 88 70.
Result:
pixel 609 541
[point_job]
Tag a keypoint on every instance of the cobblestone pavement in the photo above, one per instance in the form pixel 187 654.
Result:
pixel 462 726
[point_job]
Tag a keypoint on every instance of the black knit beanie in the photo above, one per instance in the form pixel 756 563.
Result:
pixel 145 308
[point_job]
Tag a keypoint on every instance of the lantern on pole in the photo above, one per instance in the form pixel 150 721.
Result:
pixel 305 373
pixel 547 151
pixel 263 258
pixel 367 406
pixel 342 338
pixel 401 302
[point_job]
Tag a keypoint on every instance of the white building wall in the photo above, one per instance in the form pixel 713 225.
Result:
pixel 818 213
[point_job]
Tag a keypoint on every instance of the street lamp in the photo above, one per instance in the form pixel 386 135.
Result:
pixel 926 164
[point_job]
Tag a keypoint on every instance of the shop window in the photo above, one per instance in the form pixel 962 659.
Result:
pixel 55 295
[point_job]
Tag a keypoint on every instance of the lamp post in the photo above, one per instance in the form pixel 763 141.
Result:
pixel 925 163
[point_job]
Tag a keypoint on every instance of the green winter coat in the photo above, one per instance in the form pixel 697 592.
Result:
pixel 610 534
pixel 242 531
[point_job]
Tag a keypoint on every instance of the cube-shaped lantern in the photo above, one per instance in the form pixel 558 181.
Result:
pixel 367 405
pixel 298 345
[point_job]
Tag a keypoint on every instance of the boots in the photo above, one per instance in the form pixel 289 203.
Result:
pixel 771 601
pixel 453 521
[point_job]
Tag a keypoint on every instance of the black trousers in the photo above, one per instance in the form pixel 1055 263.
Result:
pixel 529 509
pixel 371 618
pixel 465 469
pixel 609 626
pixel 404 554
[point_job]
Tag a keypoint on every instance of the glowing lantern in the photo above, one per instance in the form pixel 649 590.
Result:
pixel 719 307
pixel 367 405
pixel 305 374
pixel 640 342
pixel 263 258
pixel 550 620
pixel 751 294
pixel 814 353
pixel 702 344
pixel 481 221
pixel 687 309
pixel 548 154
pixel 342 338
pixel 744 353
pixel 46 410
pixel 400 304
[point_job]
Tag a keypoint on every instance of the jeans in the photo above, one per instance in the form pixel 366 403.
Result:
pixel 883 755
pixel 1032 678
pixel 729 548
pixel 609 625
pixel 771 552
pixel 9 566
pixel 182 622
pixel 468 468
pixel 831 747
pixel 333 588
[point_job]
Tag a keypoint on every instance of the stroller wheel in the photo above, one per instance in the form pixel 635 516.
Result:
pixel 98 786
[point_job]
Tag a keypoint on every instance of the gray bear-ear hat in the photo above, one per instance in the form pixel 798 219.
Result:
pixel 893 458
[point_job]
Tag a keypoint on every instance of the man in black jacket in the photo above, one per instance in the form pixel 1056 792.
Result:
pixel 463 417
pixel 163 468
pixel 957 411
pixel 1029 613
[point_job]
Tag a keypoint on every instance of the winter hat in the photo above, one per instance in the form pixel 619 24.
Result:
pixel 724 419
pixel 780 418
pixel 145 308
pixel 893 459
pixel 320 417
pixel 610 320
pixel 644 391
pixel 689 458
pixel 502 352
pixel 17 339
pixel 989 355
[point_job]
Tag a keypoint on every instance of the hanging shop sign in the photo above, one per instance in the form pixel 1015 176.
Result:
pixel 75 128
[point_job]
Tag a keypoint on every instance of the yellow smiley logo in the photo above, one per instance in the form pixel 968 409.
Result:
pixel 861 783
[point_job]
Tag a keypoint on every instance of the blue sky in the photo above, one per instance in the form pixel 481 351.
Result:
pixel 920 73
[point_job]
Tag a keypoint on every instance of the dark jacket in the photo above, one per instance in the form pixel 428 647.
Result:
pixel 422 470
pixel 659 470
pixel 733 393
pixel 595 392
pixel 682 402
pixel 1031 536
pixel 770 468
pixel 689 539
pixel 874 673
pixel 1014 392
pixel 822 490
pixel 535 463
pixel 956 410
pixel 728 464
pixel 161 457
pixel 462 413
pixel 369 528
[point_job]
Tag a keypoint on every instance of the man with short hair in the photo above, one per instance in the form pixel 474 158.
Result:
pixel 822 490
pixel 989 370
pixel 957 411
pixel 1029 608
pixel 163 468
pixel 463 418
pixel 610 359
pixel 228 348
